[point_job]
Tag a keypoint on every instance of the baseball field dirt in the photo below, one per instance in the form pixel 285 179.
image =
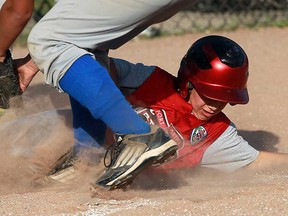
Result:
pixel 29 144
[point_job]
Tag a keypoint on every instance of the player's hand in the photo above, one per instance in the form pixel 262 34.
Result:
pixel 26 70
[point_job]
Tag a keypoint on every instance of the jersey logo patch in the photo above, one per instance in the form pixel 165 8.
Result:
pixel 198 134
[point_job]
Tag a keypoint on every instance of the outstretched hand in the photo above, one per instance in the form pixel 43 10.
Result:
pixel 26 69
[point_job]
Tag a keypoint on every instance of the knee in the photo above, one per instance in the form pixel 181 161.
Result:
pixel 32 41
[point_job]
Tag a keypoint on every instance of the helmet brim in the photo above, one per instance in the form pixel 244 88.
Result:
pixel 228 95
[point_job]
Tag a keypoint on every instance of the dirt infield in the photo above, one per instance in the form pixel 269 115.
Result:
pixel 195 192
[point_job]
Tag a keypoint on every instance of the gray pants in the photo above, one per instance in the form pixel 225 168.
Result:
pixel 73 28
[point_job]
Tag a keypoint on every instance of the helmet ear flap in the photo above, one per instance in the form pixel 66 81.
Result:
pixel 182 85
pixel 185 86
pixel 190 86
pixel 185 91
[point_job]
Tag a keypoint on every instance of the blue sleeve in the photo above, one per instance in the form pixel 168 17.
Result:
pixel 132 75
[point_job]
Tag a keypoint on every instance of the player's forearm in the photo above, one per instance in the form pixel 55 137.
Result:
pixel 268 160
pixel 12 22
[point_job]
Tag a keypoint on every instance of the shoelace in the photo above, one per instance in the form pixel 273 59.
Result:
pixel 114 151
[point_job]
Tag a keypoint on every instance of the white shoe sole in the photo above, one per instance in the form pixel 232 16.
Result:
pixel 65 175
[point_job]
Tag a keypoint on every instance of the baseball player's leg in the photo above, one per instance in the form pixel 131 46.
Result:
pixel 85 79
pixel 88 132
pixel 90 84
pixel 84 82
pixel 89 135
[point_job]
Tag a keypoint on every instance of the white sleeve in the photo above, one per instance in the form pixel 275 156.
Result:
pixel 229 152
pixel 132 75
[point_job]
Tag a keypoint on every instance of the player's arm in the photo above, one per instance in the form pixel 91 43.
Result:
pixel 129 75
pixel 14 16
pixel 268 160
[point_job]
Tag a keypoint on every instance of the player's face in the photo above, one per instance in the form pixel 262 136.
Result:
pixel 205 108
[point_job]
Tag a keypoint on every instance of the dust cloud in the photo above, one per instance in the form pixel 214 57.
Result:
pixel 29 145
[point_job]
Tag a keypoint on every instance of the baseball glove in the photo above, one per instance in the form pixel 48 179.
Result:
pixel 9 81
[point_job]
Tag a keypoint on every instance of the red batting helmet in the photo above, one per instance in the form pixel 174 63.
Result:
pixel 217 68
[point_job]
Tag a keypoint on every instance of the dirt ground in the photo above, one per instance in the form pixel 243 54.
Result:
pixel 42 137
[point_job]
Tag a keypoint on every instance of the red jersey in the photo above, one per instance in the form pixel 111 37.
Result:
pixel 165 107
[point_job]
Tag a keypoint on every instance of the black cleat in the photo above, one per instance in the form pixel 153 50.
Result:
pixel 134 152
